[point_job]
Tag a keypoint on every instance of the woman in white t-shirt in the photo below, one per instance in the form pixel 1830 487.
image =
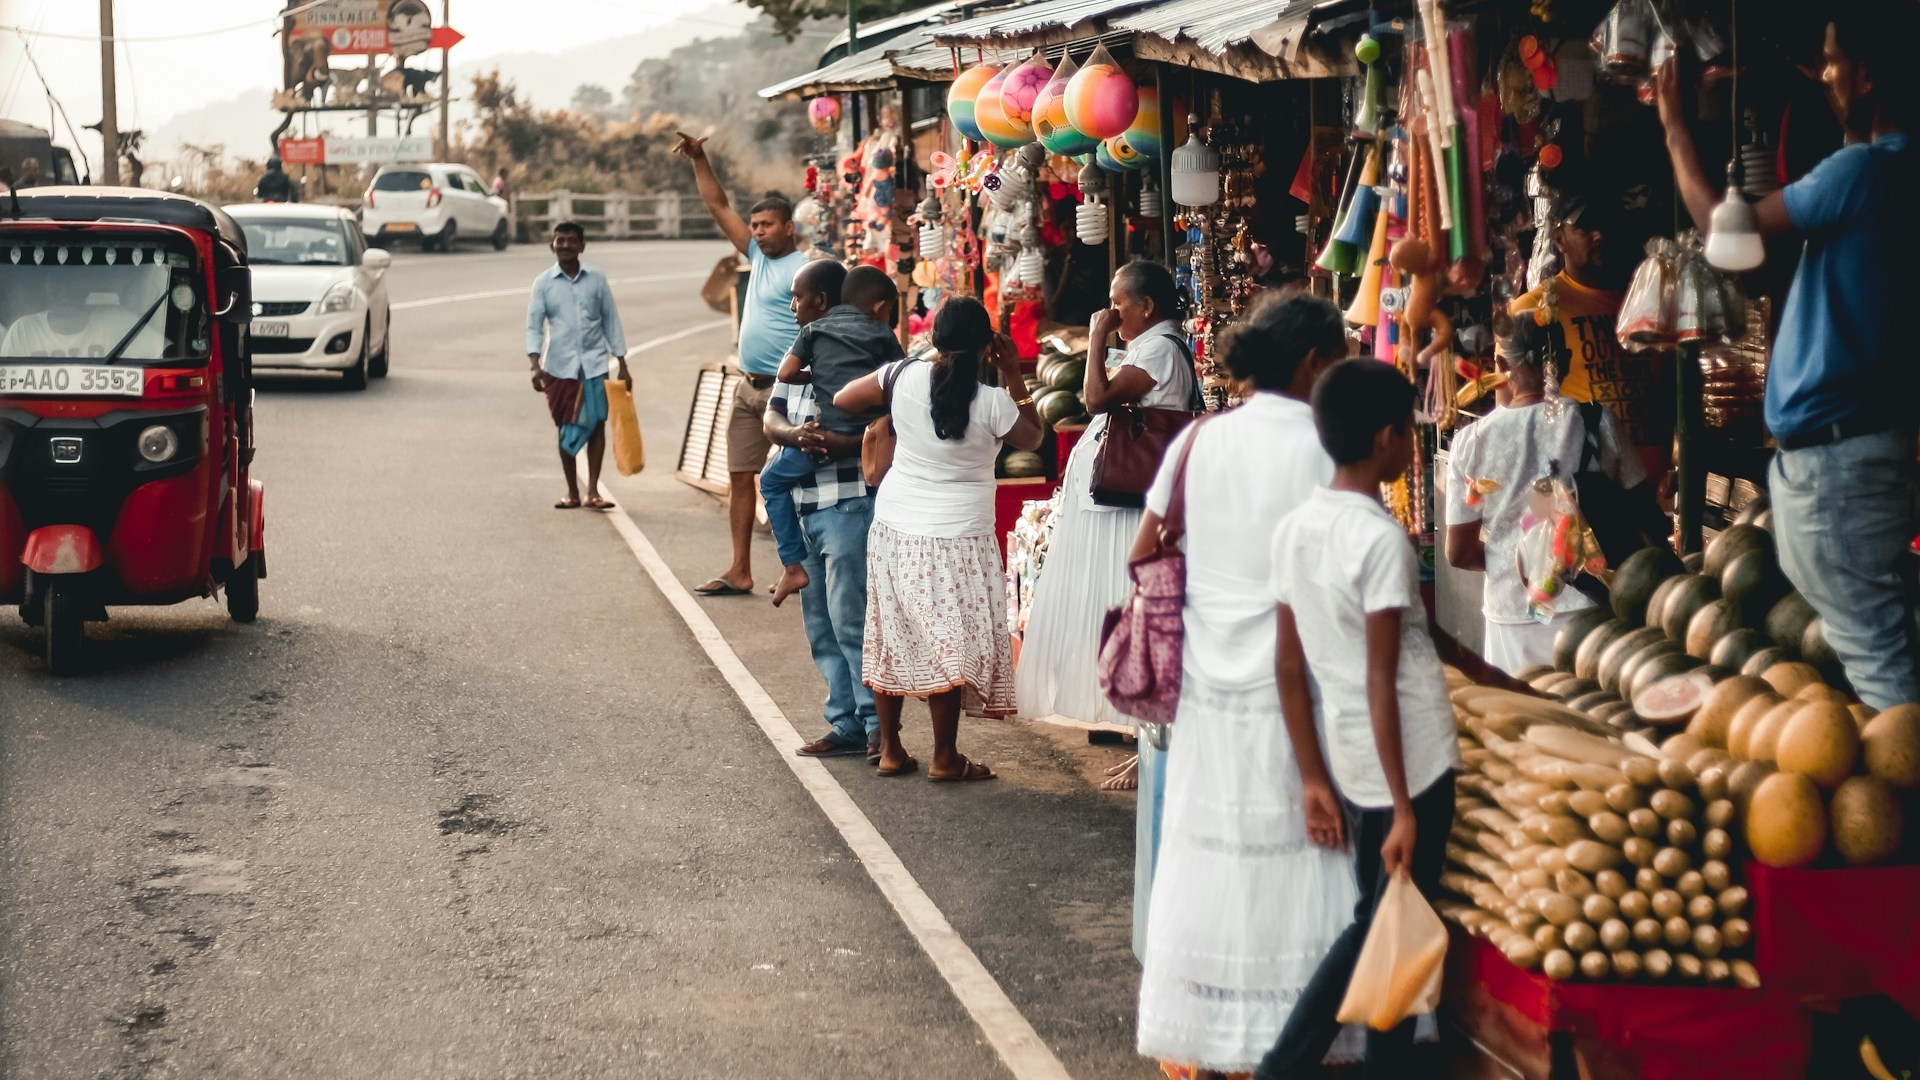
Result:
pixel 936 599
pixel 1510 448
pixel 1086 571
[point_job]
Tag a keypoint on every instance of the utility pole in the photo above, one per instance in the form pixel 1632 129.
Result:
pixel 853 46
pixel 446 88
pixel 109 113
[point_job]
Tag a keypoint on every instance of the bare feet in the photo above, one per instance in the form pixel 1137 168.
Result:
pixel 792 580
pixel 1124 776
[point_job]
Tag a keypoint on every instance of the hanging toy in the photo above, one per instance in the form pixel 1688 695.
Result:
pixel 824 114
pixel 1101 100
pixel 961 95
pixel 1022 90
pixel 1367 120
pixel 1050 122
pixel 991 118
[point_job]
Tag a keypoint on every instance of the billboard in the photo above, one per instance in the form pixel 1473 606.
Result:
pixel 400 28
pixel 347 150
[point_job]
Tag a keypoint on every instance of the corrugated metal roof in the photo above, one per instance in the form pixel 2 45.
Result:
pixel 1019 23
pixel 868 69
pixel 1212 25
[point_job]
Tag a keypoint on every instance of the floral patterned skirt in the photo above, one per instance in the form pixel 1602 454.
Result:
pixel 937 619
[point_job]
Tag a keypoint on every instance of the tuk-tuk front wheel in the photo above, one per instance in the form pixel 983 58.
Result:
pixel 66 628
pixel 243 591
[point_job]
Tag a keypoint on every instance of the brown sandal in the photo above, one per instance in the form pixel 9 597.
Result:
pixel 969 771
pixel 905 768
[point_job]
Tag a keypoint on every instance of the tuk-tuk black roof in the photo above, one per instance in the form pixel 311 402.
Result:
pixel 141 204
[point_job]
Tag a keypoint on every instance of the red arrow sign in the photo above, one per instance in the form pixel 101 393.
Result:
pixel 445 37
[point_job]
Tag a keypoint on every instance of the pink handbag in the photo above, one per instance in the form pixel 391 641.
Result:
pixel 1141 640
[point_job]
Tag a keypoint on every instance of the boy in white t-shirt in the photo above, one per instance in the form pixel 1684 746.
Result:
pixel 1347 583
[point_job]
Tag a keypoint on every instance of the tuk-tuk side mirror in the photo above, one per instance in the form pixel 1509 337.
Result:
pixel 235 285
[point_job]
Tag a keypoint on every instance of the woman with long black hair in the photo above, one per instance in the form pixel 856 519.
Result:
pixel 936 602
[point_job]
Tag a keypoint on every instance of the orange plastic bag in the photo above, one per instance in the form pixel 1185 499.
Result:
pixel 1398 974
pixel 623 427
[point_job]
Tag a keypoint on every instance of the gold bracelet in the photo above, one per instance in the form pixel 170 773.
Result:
pixel 1023 402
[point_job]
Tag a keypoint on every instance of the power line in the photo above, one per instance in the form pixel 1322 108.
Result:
pixel 44 85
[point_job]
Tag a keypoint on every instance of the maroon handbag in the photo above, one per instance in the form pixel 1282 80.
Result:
pixel 1141 641
pixel 1135 442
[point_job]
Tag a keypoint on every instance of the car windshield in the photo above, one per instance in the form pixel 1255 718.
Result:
pixel 295 241
pixel 78 298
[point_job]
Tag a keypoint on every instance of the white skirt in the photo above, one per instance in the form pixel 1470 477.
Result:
pixel 937 619
pixel 1243 907
pixel 1085 575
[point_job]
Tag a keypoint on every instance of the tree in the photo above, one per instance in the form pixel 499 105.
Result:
pixel 789 15
pixel 592 99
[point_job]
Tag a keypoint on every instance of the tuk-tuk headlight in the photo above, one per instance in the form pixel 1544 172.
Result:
pixel 159 444
pixel 338 298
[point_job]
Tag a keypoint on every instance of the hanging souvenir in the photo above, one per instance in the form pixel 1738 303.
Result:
pixel 1101 99
pixel 1022 91
pixel 824 114
pixel 961 95
pixel 991 118
pixel 1050 122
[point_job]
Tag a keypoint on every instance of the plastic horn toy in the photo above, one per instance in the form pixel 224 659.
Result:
pixel 1367 120
pixel 1343 252
pixel 960 99
pixel 1365 309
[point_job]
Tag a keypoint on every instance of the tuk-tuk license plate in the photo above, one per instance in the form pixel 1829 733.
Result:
pixel 267 329
pixel 63 379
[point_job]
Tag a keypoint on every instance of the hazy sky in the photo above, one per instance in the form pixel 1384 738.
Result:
pixel 160 78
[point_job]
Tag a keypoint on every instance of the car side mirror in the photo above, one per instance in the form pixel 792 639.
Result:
pixel 235 287
pixel 376 260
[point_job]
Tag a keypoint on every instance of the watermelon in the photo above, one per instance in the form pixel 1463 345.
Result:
pixel 1611 709
pixel 1573 688
pixel 1046 365
pixel 1674 699
pixel 1528 674
pixel 1023 463
pixel 1694 593
pixel 1815 650
pixel 1568 641
pixel 1623 649
pixel 1694 561
pixel 1754 581
pixel 1715 620
pixel 1634 583
pixel 1733 650
pixel 1760 661
pixel 1787 620
pixel 1763 520
pixel 1755 507
pixel 1735 541
pixel 1631 668
pixel 1586 662
pixel 1068 375
pixel 1657 605
pixel 1586 703
pixel 1057 405
pixel 1657 669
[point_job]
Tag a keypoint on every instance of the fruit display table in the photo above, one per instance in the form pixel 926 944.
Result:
pixel 1828 935
pixel 1523 1022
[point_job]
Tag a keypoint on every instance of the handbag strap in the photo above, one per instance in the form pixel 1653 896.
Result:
pixel 1174 525
pixel 1590 420
pixel 886 384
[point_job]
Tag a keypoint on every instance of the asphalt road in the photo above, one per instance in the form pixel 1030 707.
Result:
pixel 470 801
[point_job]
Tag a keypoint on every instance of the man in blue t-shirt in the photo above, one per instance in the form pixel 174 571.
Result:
pixel 1841 381
pixel 767 328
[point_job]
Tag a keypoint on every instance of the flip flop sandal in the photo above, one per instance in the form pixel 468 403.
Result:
pixel 906 768
pixel 969 771
pixel 721 587
pixel 597 504
pixel 567 504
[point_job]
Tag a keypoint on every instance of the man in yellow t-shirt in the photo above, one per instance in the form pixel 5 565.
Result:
pixel 1596 266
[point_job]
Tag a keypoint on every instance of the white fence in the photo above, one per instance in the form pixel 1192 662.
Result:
pixel 615 216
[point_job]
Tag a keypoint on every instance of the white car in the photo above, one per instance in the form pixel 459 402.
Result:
pixel 319 292
pixel 435 204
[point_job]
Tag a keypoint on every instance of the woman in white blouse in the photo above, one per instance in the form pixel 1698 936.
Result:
pixel 1086 570
pixel 1243 906
pixel 936 596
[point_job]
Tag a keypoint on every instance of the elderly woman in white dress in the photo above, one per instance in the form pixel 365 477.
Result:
pixel 1243 906
pixel 1086 571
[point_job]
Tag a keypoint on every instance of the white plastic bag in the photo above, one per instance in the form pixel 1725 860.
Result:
pixel 1398 974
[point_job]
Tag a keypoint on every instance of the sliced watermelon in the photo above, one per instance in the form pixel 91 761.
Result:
pixel 1674 699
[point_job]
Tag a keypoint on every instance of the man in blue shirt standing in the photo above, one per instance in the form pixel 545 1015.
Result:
pixel 1841 381
pixel 572 309
pixel 767 328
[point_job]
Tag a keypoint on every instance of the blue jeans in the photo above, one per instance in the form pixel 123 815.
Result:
pixel 834 607
pixel 1843 517
pixel 783 470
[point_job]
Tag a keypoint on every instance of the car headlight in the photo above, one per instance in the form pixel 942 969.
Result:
pixel 338 298
pixel 158 444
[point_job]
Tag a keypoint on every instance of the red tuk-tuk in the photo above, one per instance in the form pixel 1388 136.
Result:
pixel 126 409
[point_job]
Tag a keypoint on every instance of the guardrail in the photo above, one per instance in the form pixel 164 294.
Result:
pixel 614 216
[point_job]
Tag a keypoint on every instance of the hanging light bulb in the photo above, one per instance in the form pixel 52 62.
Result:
pixel 1032 266
pixel 1150 199
pixel 1196 170
pixel 1733 236
pixel 1091 224
pixel 933 242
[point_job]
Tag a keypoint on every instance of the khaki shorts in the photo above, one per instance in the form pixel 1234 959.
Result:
pixel 747 445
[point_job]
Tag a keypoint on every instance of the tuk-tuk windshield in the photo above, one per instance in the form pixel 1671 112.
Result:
pixel 125 300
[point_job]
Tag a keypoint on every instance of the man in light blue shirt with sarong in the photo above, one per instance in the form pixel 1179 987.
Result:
pixel 572 310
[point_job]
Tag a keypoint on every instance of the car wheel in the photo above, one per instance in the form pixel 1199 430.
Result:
pixel 66 630
pixel 356 376
pixel 377 366
pixel 445 239
pixel 501 237
pixel 243 591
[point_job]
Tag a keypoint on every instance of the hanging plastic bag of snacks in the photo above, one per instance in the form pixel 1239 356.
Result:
pixel 1624 40
pixel 1556 546
pixel 1649 314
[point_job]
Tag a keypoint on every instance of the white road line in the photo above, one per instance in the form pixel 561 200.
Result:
pixel 495 294
pixel 1019 1046
pixel 676 336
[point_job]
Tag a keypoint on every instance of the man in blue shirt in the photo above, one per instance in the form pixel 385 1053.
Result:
pixel 767 328
pixel 1841 381
pixel 572 310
